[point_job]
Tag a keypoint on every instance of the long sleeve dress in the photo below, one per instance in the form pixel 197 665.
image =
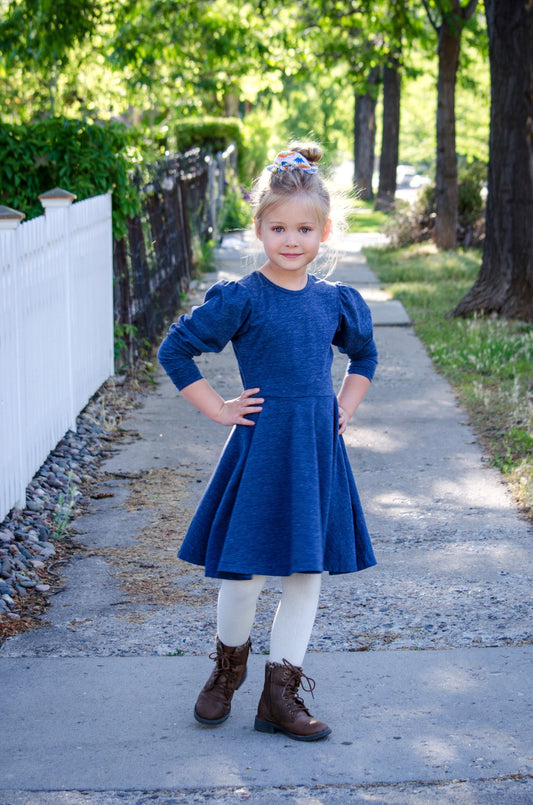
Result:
pixel 282 498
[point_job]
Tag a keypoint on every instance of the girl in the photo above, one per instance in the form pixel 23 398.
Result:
pixel 282 500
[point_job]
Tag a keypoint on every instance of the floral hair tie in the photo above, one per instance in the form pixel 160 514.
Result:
pixel 291 160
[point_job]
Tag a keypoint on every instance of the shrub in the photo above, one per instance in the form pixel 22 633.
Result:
pixel 235 212
pixel 415 223
pixel 85 159
pixel 212 133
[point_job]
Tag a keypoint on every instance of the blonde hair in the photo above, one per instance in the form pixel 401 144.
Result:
pixel 271 188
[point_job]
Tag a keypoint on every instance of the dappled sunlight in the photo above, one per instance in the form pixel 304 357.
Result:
pixel 473 488
pixel 393 499
pixel 379 441
pixel 449 680
pixel 438 751
pixel 371 294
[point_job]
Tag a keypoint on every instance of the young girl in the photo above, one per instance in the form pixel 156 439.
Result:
pixel 282 500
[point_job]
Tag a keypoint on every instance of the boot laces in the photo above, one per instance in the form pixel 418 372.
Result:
pixel 297 678
pixel 224 668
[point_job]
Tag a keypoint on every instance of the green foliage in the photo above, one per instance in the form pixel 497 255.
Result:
pixel 203 254
pixel 364 218
pixel 82 158
pixel 290 68
pixel 472 177
pixel 235 212
pixel 415 223
pixel 40 34
pixel 487 360
pixel 124 335
pixel 419 107
pixel 319 109
pixel 202 48
pixel 212 133
pixel 258 129
pixel 64 507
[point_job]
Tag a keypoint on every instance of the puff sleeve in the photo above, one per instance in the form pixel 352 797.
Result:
pixel 208 328
pixel 354 334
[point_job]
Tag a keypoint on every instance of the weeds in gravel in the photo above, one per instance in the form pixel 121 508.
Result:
pixel 488 361
pixel 64 507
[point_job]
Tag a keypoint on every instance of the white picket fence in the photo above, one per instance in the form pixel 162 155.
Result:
pixel 56 329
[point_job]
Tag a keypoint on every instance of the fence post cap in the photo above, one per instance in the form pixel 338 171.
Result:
pixel 9 218
pixel 57 197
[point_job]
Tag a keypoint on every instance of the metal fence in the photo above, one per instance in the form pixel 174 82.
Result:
pixel 56 329
pixel 181 197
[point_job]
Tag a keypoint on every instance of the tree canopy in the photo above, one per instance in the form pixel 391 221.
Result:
pixel 155 61
pixel 287 69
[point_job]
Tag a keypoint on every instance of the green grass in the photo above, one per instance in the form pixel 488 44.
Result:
pixel 364 218
pixel 488 361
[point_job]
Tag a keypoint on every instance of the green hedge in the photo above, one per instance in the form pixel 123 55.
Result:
pixel 212 133
pixel 83 158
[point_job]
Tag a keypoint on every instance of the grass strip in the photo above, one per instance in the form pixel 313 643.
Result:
pixel 364 218
pixel 488 361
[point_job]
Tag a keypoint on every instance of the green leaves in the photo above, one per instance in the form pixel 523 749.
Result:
pixel 40 33
pixel 85 159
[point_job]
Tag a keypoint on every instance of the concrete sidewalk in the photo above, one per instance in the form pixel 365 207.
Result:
pixel 94 712
pixel 410 718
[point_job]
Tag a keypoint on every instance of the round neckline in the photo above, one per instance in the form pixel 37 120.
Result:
pixel 281 288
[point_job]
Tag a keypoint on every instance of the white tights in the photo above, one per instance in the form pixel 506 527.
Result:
pixel 292 624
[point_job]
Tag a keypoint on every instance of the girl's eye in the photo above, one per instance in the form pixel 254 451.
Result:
pixel 306 229
pixel 277 229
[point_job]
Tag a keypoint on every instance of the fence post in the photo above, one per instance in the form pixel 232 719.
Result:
pixel 212 194
pixel 56 205
pixel 11 462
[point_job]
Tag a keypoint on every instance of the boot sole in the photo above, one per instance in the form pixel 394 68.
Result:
pixel 211 722
pixel 268 726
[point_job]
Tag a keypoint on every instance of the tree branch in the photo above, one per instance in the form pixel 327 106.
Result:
pixel 430 18
pixel 469 9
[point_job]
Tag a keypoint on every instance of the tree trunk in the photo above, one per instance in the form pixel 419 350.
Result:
pixel 505 281
pixel 365 138
pixel 446 190
pixel 388 162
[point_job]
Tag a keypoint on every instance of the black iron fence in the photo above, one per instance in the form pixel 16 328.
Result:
pixel 154 262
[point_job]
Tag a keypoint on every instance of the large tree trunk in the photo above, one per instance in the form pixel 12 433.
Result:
pixel 446 189
pixel 505 281
pixel 449 32
pixel 388 162
pixel 365 138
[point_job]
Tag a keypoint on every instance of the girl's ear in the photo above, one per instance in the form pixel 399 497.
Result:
pixel 257 226
pixel 327 231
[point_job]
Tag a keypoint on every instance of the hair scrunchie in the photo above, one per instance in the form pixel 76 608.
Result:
pixel 291 160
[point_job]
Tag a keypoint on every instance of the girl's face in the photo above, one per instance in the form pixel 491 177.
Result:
pixel 291 234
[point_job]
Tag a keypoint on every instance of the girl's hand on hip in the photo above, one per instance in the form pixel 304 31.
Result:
pixel 343 420
pixel 234 412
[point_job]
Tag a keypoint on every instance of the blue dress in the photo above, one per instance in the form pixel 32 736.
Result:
pixel 282 498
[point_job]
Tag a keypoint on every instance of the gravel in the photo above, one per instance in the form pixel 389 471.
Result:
pixel 35 541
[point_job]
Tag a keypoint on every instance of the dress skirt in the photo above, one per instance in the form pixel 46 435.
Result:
pixel 282 498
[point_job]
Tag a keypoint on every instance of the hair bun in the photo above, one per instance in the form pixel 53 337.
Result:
pixel 311 151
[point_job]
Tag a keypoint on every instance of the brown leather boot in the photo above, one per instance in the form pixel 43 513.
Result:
pixel 214 702
pixel 282 710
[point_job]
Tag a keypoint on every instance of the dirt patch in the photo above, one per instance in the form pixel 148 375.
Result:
pixel 149 570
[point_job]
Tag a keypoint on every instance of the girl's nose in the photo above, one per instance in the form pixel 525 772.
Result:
pixel 292 239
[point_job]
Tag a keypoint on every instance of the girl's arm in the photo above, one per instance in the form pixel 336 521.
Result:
pixel 353 389
pixel 225 412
